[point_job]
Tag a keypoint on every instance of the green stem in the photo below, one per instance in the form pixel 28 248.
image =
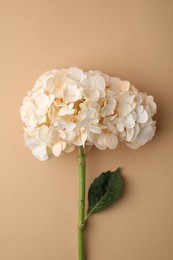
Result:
pixel 81 209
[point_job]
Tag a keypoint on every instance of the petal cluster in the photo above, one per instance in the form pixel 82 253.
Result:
pixel 70 107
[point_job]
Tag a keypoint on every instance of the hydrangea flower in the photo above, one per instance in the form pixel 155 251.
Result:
pixel 70 107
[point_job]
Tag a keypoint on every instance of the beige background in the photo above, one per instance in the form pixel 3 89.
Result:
pixel 38 200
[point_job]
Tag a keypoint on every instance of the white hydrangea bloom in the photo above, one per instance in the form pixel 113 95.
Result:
pixel 70 107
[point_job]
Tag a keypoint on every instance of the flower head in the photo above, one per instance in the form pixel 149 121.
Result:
pixel 70 107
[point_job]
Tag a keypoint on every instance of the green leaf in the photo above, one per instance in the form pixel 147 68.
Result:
pixel 104 191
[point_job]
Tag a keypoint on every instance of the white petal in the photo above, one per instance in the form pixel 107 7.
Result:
pixel 41 111
pixel 136 131
pixel 41 119
pixel 111 141
pixel 116 85
pixel 119 126
pixel 65 111
pixel 99 146
pixel 57 149
pixel 43 134
pixel 63 145
pixel 28 114
pixel 129 121
pixel 42 100
pixel 95 129
pixel 129 134
pixel 40 152
pixel 102 139
pixel 62 133
pixel 94 88
pixel 83 136
pixel 142 117
pixel 78 141
pixel 125 85
pixel 126 109
pixel 75 74
pixel 71 93
pixel 32 143
pixel 69 148
pixel 61 124
pixel 86 114
pixel 30 119
pixel 112 127
pixel 93 94
pixel 91 136
pixel 145 135
pixel 96 82
pixel 70 136
pixel 126 104
pixel 49 83
pixel 58 90
pixel 51 98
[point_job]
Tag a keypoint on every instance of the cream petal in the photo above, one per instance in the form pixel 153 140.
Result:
pixel 65 111
pixel 49 83
pixel 71 93
pixel 87 115
pixel 56 149
pixel 28 114
pixel 102 139
pixel 70 126
pixel 107 110
pixel 61 124
pixel 99 146
pixel 136 131
pixel 70 136
pixel 78 141
pixel 41 111
pixel 43 134
pixel 41 119
pixel 58 90
pixel 30 119
pixel 129 134
pixel 63 145
pixel 125 85
pixel 133 145
pixel 94 87
pixel 129 121
pixel 71 105
pixel 62 134
pixel 96 82
pixel 125 110
pixel 51 98
pixel 122 136
pixel 139 98
pixel 95 129
pixel 93 94
pixel 119 126
pixel 32 143
pixel 90 136
pixel 75 74
pixel 42 100
pixel 115 85
pixel 111 127
pixel 69 148
pixel 145 135
pixel 142 115
pixel 111 141
pixel 40 152
pixel 83 136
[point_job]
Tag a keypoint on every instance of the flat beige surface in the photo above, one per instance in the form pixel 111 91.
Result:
pixel 38 200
